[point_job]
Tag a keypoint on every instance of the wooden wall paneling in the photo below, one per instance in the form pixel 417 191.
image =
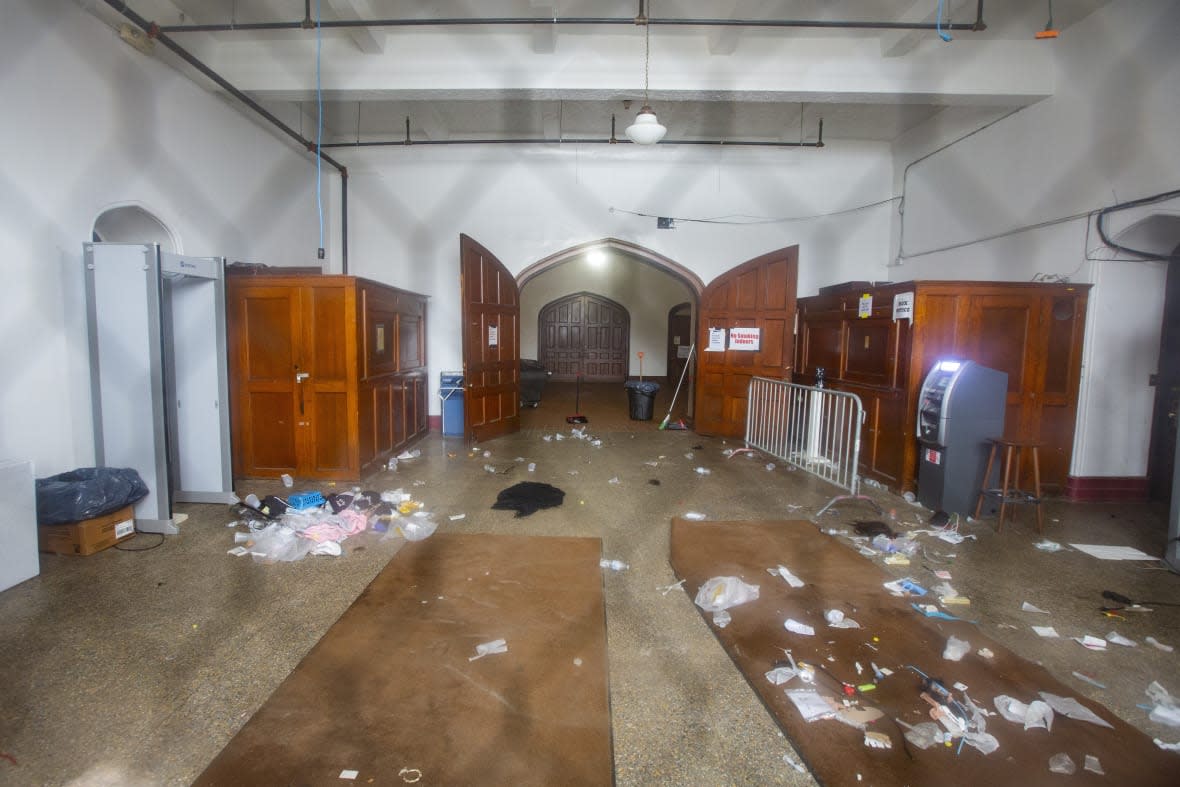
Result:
pixel 341 420
pixel 1031 331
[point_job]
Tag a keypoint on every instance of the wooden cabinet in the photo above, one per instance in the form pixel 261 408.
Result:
pixel 327 374
pixel 1031 331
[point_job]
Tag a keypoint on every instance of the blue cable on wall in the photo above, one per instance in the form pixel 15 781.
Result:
pixel 319 131
pixel 945 36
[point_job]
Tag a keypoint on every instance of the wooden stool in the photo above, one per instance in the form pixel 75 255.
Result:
pixel 1010 492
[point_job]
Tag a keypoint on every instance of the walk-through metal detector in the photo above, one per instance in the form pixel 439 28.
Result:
pixel 158 379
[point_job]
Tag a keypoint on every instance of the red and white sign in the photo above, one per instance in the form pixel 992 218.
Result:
pixel 745 338
pixel 933 457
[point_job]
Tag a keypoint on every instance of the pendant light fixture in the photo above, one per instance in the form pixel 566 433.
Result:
pixel 646 130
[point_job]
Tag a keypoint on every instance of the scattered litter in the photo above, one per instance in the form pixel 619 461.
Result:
pixel 720 593
pixel 614 480
pixel 327 548
pixel 488 454
pixel 1049 546
pixel 241 538
pixel 613 565
pixel 872 528
pixel 410 775
pixel 1070 707
pixel 1155 643
pixel 1087 679
pixel 689 455
pixel 528 497
pixel 1166 746
pixel 547 438
pixel 239 551
pixel 985 653
pixel 905 586
pixel 703 471
pixel 722 618
pixel 488 648
pixel 789 760
pixel 780 675
pixel 960 686
pixel 897 560
pixel 1026 607
pixel 1104 552
pixel 923 735
pixel 1046 631
pixel 1119 639
pixel 652 464
pixel 666 589
pixel 578 661
pixel 931 611
pixel 1165 710
pixel 695 516
pixel 288 481
pixel 418 527
pixel 785 573
pixel 878 740
pixel 349 774
pixel 795 627
pixel 1033 715
pixel 490 468
pixel 811 704
pixel 943 575
pixel 837 620
pixel 1093 643
pixel 770 466
pixel 404 455
pixel 532 467
pixel 1093 765
pixel 955 649
pixel 1061 763
pixel 457 517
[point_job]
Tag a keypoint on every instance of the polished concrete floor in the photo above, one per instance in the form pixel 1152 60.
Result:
pixel 129 668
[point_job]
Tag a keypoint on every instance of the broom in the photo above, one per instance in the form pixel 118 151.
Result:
pixel 683 372
pixel 577 417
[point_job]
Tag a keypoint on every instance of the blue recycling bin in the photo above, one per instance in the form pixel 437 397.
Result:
pixel 450 390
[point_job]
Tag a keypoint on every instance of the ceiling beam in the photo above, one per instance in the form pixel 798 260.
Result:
pixel 366 39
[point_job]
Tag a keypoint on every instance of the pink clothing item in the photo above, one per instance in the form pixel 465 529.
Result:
pixel 348 523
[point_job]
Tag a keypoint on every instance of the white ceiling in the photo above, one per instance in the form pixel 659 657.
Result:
pixel 462 82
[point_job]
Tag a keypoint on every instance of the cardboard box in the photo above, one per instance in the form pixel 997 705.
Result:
pixel 89 535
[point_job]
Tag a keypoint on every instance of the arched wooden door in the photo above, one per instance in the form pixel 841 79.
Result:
pixel 758 298
pixel 491 343
pixel 584 334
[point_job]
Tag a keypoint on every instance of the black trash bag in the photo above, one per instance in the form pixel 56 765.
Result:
pixel 529 496
pixel 86 493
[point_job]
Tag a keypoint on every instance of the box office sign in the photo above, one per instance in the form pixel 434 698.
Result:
pixel 745 339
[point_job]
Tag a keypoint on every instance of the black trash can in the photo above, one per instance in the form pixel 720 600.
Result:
pixel 641 396
pixel 532 382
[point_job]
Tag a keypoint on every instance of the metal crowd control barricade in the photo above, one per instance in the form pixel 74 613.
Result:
pixel 814 429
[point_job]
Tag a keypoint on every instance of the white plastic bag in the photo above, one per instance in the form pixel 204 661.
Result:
pixel 955 648
pixel 721 593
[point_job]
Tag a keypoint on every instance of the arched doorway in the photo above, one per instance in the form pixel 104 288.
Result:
pixel 132 224
pixel 584 335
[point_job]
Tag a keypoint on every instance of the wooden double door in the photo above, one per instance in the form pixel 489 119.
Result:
pixel 584 335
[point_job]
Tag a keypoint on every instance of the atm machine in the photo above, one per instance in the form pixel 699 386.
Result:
pixel 960 407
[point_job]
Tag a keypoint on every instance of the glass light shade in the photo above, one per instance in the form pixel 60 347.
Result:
pixel 646 130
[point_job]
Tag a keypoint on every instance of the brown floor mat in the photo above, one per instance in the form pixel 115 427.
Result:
pixel 390 686
pixel 837 577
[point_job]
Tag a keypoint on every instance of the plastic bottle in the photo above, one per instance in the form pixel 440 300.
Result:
pixel 614 565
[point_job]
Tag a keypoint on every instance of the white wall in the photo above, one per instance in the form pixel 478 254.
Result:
pixel 1108 134
pixel 646 293
pixel 91 123
pixel 407 207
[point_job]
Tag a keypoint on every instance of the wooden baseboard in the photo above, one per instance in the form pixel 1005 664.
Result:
pixel 1107 489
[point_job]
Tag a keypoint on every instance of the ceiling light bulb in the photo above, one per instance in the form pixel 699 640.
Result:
pixel 646 130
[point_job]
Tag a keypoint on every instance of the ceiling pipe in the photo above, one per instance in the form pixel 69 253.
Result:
pixel 406 142
pixel 155 32
pixel 599 21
